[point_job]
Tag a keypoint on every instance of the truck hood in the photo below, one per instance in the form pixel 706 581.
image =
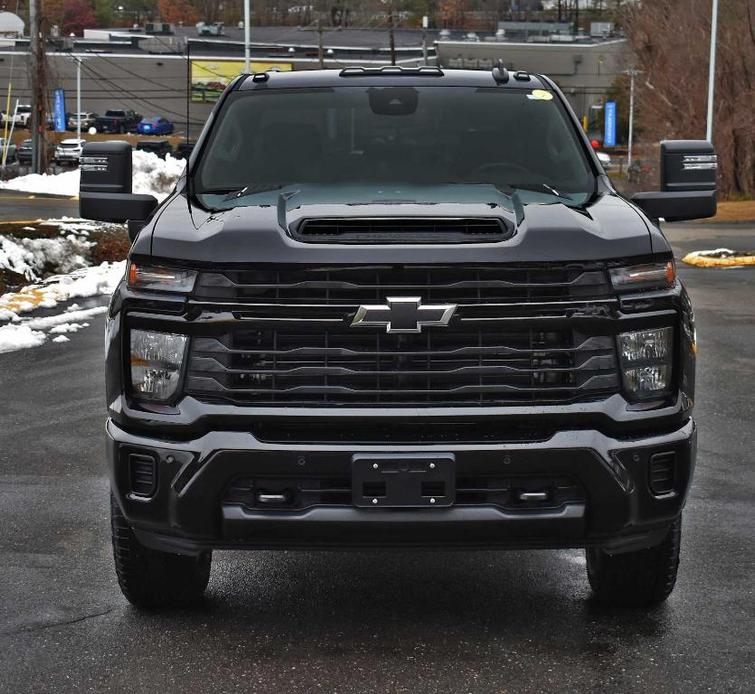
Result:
pixel 605 228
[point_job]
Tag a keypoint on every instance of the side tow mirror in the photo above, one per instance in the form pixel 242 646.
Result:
pixel 688 182
pixel 105 188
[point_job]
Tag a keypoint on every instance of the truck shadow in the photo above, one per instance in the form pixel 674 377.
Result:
pixel 348 601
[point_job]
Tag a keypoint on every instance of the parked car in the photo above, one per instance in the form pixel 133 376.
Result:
pixel 159 147
pixel 87 119
pixel 296 362
pixel 184 149
pixel 605 159
pixel 22 117
pixel 156 125
pixel 10 155
pixel 117 121
pixel 23 153
pixel 68 151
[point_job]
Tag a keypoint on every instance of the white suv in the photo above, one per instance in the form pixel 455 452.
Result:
pixel 68 151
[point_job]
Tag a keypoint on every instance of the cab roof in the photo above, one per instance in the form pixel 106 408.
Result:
pixel 425 76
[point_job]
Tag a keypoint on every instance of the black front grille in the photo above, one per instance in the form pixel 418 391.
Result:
pixel 442 283
pixel 402 230
pixel 508 342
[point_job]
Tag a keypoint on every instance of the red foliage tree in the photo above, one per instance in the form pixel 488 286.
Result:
pixel 77 15
pixel 177 11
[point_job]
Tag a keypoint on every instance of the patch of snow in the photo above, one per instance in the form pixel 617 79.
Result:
pixel 7 315
pixel 14 336
pixel 30 257
pixel 89 281
pixel 715 253
pixel 68 328
pixel 151 175
pixel 66 183
pixel 64 319
pixel 29 332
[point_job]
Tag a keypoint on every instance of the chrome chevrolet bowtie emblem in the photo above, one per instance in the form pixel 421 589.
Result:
pixel 403 314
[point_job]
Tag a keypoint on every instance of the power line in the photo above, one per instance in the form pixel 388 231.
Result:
pixel 119 89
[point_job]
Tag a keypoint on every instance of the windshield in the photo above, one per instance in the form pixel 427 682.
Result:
pixel 408 138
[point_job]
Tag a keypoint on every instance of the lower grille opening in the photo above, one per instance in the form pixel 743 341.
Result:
pixel 299 493
pixel 142 474
pixel 662 473
pixel 511 493
pixel 374 430
pixel 519 493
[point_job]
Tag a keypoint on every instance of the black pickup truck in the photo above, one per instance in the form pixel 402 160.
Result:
pixel 398 307
pixel 117 121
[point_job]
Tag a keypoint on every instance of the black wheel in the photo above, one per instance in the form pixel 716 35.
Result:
pixel 642 578
pixel 149 578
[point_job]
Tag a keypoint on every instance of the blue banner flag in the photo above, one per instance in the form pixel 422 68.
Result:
pixel 609 135
pixel 59 110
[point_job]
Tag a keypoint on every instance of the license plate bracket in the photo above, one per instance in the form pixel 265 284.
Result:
pixel 409 480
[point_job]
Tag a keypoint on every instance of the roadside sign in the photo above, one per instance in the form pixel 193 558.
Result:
pixel 59 110
pixel 609 134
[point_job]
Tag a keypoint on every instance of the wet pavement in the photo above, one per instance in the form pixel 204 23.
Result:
pixel 371 621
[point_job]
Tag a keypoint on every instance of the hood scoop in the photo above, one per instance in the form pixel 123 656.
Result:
pixel 402 230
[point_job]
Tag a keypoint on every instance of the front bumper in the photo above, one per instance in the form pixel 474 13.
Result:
pixel 190 509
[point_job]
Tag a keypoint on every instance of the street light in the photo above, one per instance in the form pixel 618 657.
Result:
pixel 246 36
pixel 78 97
pixel 632 73
pixel 712 69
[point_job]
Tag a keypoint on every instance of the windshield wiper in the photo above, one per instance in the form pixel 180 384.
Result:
pixel 236 193
pixel 537 187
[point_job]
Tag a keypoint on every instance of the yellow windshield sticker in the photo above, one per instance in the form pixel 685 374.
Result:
pixel 540 95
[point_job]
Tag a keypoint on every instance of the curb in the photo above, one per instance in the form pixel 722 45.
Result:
pixel 30 196
pixel 707 261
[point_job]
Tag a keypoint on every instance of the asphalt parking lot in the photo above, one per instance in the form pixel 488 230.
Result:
pixel 375 621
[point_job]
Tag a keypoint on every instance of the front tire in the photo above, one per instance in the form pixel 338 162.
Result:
pixel 643 578
pixel 152 579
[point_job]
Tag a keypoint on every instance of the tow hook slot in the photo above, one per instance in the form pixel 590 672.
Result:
pixel 272 499
pixel 532 496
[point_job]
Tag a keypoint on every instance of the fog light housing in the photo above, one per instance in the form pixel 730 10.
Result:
pixel 156 360
pixel 646 360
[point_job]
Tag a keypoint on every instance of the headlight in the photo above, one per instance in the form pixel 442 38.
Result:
pixel 152 277
pixel 156 360
pixel 646 360
pixel 637 277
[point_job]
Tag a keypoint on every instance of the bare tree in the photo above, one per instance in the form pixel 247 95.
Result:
pixel 671 40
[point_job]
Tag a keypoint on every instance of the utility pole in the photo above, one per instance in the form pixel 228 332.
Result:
pixel 712 70
pixel 320 53
pixel 38 123
pixel 246 37
pixel 391 36
pixel 78 98
pixel 632 73
pixel 188 84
